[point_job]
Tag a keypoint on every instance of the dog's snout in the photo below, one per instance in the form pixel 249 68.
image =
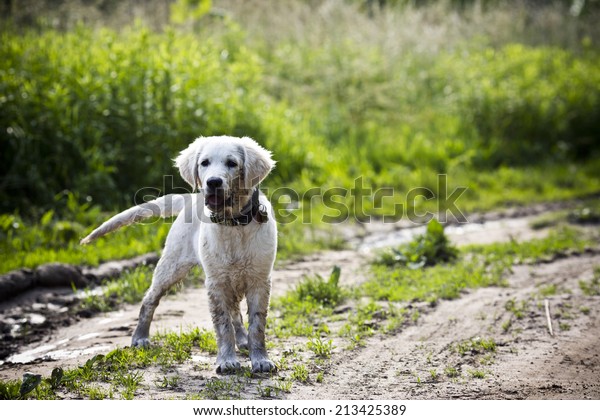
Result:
pixel 214 183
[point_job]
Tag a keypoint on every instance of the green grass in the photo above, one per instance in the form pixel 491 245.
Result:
pixel 548 290
pixel 478 373
pixel 320 348
pixel 324 292
pixel 129 287
pixel 591 287
pixel 518 309
pixel 168 382
pixel 451 372
pixel 428 249
pixel 432 284
pixel 478 266
pixel 300 373
pixel 118 374
pixel 475 345
pixel 53 239
pixel 312 300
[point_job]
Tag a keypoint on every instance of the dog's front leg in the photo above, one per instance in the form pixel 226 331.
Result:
pixel 220 311
pixel 258 307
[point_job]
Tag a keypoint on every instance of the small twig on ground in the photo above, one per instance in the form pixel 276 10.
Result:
pixel 548 317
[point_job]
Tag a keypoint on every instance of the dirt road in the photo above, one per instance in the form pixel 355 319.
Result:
pixel 527 363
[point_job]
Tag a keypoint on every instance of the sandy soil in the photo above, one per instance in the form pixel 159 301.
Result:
pixel 528 361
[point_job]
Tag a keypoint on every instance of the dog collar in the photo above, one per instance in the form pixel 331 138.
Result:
pixel 253 210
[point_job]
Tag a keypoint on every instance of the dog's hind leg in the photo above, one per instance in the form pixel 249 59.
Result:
pixel 166 274
pixel 177 260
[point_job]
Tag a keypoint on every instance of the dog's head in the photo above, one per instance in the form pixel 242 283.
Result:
pixel 225 168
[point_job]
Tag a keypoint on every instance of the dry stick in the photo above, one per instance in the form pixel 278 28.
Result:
pixel 548 316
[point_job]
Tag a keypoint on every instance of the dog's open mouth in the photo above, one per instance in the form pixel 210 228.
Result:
pixel 215 201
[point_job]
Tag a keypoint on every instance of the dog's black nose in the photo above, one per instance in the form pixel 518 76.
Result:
pixel 214 183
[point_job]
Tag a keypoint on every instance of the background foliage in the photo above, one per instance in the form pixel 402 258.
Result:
pixel 504 97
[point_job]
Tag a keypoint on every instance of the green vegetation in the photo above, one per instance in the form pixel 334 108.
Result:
pixel 548 290
pixel 478 373
pixel 518 309
pixel 585 212
pixel 99 112
pixel 591 287
pixel 300 373
pixel 320 348
pixel 478 266
pixel 312 299
pixel 564 326
pixel 129 287
pixel 425 250
pixel 475 345
pixel 117 374
pixel 320 291
pixel 167 382
pixel 451 372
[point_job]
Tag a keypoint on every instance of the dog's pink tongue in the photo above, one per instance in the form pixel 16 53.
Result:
pixel 213 200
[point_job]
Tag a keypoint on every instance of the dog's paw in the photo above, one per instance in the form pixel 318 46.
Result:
pixel 263 365
pixel 140 342
pixel 243 345
pixel 229 366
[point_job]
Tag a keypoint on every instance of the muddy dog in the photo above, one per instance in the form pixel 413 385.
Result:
pixel 228 227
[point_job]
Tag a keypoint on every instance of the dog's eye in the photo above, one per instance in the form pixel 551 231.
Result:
pixel 231 164
pixel 205 162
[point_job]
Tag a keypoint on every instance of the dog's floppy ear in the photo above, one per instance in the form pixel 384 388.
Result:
pixel 257 162
pixel 187 162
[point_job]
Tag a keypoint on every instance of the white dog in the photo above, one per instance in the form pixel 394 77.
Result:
pixel 229 228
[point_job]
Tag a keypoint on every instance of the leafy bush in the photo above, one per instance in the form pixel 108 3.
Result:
pixel 102 113
pixel 425 250
pixel 527 104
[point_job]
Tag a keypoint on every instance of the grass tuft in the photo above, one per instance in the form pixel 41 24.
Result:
pixel 591 287
pixel 429 249
pixel 325 292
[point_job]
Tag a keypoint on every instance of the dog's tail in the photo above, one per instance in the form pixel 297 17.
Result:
pixel 165 206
